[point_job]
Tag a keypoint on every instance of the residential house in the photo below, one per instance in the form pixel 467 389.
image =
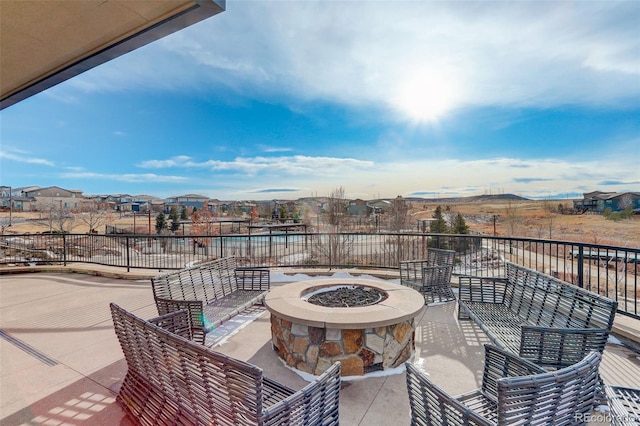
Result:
pixel 359 207
pixel 5 197
pixel 189 201
pixel 381 206
pixel 53 197
pixel 598 201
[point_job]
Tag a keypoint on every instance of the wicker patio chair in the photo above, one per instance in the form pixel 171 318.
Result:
pixel 212 292
pixel 430 276
pixel 172 380
pixel 624 404
pixel 514 391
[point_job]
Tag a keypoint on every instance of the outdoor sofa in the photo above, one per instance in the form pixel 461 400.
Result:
pixel 212 292
pixel 547 321
pixel 173 380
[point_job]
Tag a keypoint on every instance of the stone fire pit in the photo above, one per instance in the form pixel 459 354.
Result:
pixel 375 337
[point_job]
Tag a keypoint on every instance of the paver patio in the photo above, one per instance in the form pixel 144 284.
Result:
pixel 60 362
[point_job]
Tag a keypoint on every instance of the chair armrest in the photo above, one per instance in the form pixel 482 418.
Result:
pixel 498 364
pixel 431 405
pixel 196 313
pixel 411 271
pixel 482 289
pixel 315 404
pixel 415 263
pixel 253 278
pixel 560 347
pixel 178 322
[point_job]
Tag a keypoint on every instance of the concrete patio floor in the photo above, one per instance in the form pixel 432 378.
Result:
pixel 61 364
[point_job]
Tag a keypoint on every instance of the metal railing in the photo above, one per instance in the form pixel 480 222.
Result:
pixel 607 270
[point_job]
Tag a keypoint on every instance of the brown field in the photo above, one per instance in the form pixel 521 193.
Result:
pixel 532 219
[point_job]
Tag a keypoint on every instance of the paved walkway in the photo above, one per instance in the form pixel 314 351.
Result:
pixel 60 362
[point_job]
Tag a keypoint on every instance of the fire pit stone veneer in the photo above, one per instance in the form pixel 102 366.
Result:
pixel 364 339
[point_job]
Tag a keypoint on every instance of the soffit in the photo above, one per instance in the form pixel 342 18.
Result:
pixel 44 42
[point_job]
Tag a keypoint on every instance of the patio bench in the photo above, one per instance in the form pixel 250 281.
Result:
pixel 549 322
pixel 430 276
pixel 212 292
pixel 173 380
pixel 624 405
pixel 513 391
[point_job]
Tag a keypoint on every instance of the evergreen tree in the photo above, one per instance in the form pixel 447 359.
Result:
pixel 459 225
pixel 184 215
pixel 439 225
pixel 175 219
pixel 161 222
pixel 283 213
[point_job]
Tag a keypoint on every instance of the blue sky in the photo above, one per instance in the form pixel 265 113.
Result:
pixel 288 99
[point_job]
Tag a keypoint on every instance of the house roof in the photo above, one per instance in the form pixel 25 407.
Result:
pixel 195 196
pixel 54 187
pixel 45 42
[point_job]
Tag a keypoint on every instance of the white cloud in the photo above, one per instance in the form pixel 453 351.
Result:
pixel 537 54
pixel 286 165
pixel 177 161
pixel 20 156
pixel 266 148
pixel 430 178
pixel 125 177
pixel 298 176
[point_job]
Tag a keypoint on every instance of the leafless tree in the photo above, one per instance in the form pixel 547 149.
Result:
pixel 548 216
pixel 511 217
pixel 336 209
pixel 399 214
pixel 335 247
pixel 91 215
pixel 203 227
pixel 56 218
pixel 264 211
pixel 625 201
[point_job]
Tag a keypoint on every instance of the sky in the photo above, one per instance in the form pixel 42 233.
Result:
pixel 290 99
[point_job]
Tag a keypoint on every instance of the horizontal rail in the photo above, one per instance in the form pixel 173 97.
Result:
pixel 607 270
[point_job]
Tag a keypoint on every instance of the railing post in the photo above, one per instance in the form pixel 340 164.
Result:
pixel 330 236
pixel 581 266
pixel 64 249
pixel 128 252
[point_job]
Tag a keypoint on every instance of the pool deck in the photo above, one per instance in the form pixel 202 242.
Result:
pixel 61 364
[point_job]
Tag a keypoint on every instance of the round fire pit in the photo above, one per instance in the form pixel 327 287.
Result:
pixel 367 325
pixel 346 296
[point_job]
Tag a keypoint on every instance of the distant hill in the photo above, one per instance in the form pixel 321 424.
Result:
pixel 501 197
pixel 472 199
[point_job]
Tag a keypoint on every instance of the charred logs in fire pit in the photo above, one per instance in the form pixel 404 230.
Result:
pixel 345 297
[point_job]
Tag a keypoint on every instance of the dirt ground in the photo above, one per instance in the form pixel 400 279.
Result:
pixel 531 219
pixel 539 219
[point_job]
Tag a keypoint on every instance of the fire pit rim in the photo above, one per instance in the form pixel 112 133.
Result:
pixel 286 302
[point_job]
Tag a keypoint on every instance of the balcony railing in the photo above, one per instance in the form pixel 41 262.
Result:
pixel 607 270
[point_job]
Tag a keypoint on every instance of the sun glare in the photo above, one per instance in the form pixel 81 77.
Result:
pixel 425 96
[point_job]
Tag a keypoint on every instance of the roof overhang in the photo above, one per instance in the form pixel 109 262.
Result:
pixel 45 42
